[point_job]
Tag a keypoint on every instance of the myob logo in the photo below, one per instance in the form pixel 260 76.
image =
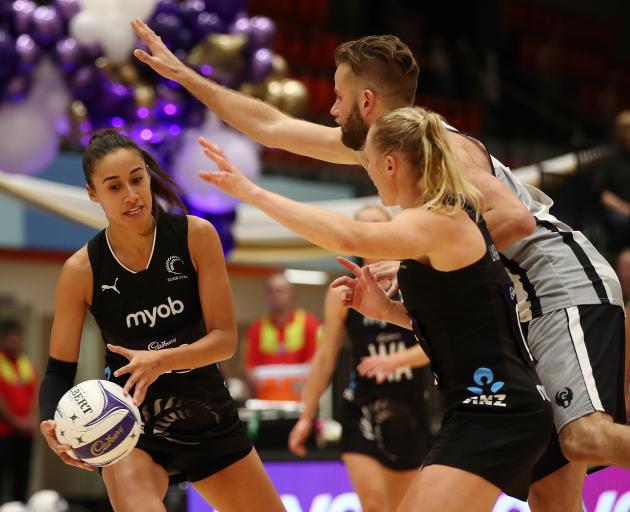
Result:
pixel 144 316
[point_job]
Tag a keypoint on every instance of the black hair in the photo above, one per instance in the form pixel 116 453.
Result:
pixel 163 187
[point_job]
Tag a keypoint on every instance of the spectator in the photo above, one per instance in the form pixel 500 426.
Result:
pixel 613 186
pixel 280 344
pixel 18 392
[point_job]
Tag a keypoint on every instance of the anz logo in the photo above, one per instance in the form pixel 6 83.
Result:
pixel 486 389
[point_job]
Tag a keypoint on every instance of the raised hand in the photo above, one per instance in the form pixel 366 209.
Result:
pixel 361 292
pixel 47 429
pixel 144 368
pixel 227 177
pixel 161 59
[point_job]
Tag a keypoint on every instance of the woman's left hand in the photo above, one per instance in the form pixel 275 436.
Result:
pixel 377 367
pixel 144 368
pixel 227 178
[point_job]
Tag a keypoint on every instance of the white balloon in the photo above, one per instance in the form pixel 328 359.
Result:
pixel 47 501
pixel 241 151
pixel 86 28
pixel 99 6
pixel 29 142
pixel 118 41
pixel 132 9
pixel 13 506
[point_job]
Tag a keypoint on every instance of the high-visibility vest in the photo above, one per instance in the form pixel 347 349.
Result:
pixel 22 372
pixel 294 334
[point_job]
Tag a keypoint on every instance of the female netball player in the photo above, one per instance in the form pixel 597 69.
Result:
pixel 457 298
pixel 385 429
pixel 157 287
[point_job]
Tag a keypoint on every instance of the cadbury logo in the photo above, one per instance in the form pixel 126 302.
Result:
pixel 100 447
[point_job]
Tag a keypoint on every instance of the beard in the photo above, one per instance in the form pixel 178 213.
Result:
pixel 354 131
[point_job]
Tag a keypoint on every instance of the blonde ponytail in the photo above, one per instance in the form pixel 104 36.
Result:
pixel 421 137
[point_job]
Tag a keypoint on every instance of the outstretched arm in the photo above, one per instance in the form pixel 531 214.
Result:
pixel 411 234
pixel 258 120
pixel 321 369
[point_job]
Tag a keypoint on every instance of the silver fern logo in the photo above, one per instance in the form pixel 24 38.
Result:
pixel 170 264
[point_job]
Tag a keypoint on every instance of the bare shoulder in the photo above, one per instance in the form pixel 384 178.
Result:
pixel 198 227
pixel 203 240
pixel 76 277
pixel 78 265
pixel 470 153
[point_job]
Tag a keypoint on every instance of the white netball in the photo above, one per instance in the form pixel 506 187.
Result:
pixel 98 422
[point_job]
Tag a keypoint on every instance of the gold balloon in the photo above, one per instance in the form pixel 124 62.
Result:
pixel 128 74
pixel 279 67
pixel 224 52
pixel 274 93
pixel 144 95
pixel 294 98
pixel 256 90
pixel 78 112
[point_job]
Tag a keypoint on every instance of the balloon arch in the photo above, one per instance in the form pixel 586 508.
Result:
pixel 66 69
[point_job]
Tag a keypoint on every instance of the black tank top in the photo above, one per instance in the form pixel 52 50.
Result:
pixel 370 337
pixel 155 309
pixel 466 321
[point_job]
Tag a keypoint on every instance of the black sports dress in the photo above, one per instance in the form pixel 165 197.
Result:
pixel 387 421
pixel 498 419
pixel 190 424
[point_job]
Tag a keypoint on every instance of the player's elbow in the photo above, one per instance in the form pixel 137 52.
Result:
pixel 348 243
pixel 524 223
pixel 229 345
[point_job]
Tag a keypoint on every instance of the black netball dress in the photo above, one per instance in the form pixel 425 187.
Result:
pixel 190 424
pixel 498 419
pixel 387 421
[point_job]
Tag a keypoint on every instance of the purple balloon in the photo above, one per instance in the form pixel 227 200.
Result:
pixel 18 88
pixel 263 30
pixel 68 8
pixel 226 9
pixel 262 64
pixel 190 9
pixel 6 13
pixel 85 84
pixel 208 23
pixel 8 54
pixel 168 27
pixel 48 25
pixel 23 11
pixel 92 51
pixel 167 6
pixel 69 52
pixel 241 26
pixel 27 50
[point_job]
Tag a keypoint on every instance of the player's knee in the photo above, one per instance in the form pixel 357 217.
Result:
pixel 583 440
pixel 373 502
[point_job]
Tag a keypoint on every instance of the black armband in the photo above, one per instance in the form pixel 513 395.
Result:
pixel 59 378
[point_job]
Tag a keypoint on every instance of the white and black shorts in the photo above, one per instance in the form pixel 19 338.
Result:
pixel 580 354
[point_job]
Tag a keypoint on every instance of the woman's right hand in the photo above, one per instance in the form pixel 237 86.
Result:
pixel 48 431
pixel 298 436
pixel 361 292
